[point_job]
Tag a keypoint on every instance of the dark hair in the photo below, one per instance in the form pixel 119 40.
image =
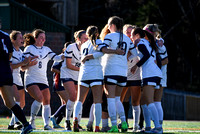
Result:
pixel 117 21
pixel 13 34
pixel 78 34
pixel 36 32
pixel 151 38
pixel 139 31
pixel 28 39
pixel 92 33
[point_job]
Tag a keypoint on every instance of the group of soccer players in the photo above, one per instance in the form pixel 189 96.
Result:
pixel 126 61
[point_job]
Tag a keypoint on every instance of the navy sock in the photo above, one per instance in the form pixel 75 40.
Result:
pixel 61 109
pixel 19 114
pixel 126 109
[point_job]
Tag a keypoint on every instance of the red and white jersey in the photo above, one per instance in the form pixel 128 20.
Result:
pixel 115 64
pixel 38 72
pixel 74 53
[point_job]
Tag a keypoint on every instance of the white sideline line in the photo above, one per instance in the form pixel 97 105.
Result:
pixel 42 131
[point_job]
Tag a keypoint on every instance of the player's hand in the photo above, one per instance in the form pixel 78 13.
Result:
pixel 120 51
pixel 160 43
pixel 133 69
pixel 136 42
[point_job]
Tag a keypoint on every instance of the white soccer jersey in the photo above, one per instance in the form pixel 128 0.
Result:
pixel 149 68
pixel 162 51
pixel 74 53
pixel 17 57
pixel 91 69
pixel 115 64
pixel 37 73
pixel 138 72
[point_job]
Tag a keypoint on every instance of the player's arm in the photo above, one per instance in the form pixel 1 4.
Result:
pixel 70 66
pixel 23 63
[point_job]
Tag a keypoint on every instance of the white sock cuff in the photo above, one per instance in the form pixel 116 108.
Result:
pixel 110 100
pixel 18 103
pixel 136 107
pixel 117 98
pixel 46 106
pixel 37 103
pixel 157 103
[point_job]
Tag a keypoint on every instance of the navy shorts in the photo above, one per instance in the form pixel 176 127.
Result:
pixel 133 83
pixel 115 80
pixel 154 81
pixel 60 88
pixel 6 77
pixel 63 80
pixel 19 87
pixel 40 85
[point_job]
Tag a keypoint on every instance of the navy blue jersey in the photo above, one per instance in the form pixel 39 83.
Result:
pixel 5 49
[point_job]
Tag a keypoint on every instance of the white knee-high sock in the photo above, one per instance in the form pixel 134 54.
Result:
pixel 112 111
pixel 80 114
pixel 120 109
pixel 97 113
pixel 46 113
pixel 78 107
pixel 69 109
pixel 136 115
pixel 91 116
pixel 146 115
pixel 154 114
pixel 35 107
pixel 160 111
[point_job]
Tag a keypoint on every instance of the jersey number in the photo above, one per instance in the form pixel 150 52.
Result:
pixel 85 51
pixel 4 46
pixel 123 46
pixel 40 64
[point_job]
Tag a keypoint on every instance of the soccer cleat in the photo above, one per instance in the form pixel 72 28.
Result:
pixel 27 129
pixel 119 126
pixel 68 125
pixel 97 129
pixel 105 129
pixel 89 128
pixel 10 127
pixel 18 126
pixel 157 130
pixel 137 129
pixel 32 122
pixel 76 126
pixel 147 130
pixel 124 126
pixel 113 129
pixel 57 127
pixel 47 127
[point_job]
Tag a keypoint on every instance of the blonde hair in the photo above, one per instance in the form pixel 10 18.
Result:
pixel 92 33
pixel 13 34
pixel 78 34
pixel 104 32
pixel 126 26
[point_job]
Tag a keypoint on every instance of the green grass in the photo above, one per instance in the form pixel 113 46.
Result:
pixel 177 127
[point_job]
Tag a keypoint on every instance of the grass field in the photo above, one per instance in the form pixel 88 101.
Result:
pixel 177 127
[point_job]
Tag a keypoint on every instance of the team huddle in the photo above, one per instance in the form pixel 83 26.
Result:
pixel 125 61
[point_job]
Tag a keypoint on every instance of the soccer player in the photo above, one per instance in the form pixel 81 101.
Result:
pixel 151 76
pixel 91 75
pixel 115 70
pixel 17 61
pixel 162 53
pixel 57 117
pixel 133 87
pixel 70 71
pixel 6 81
pixel 35 76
